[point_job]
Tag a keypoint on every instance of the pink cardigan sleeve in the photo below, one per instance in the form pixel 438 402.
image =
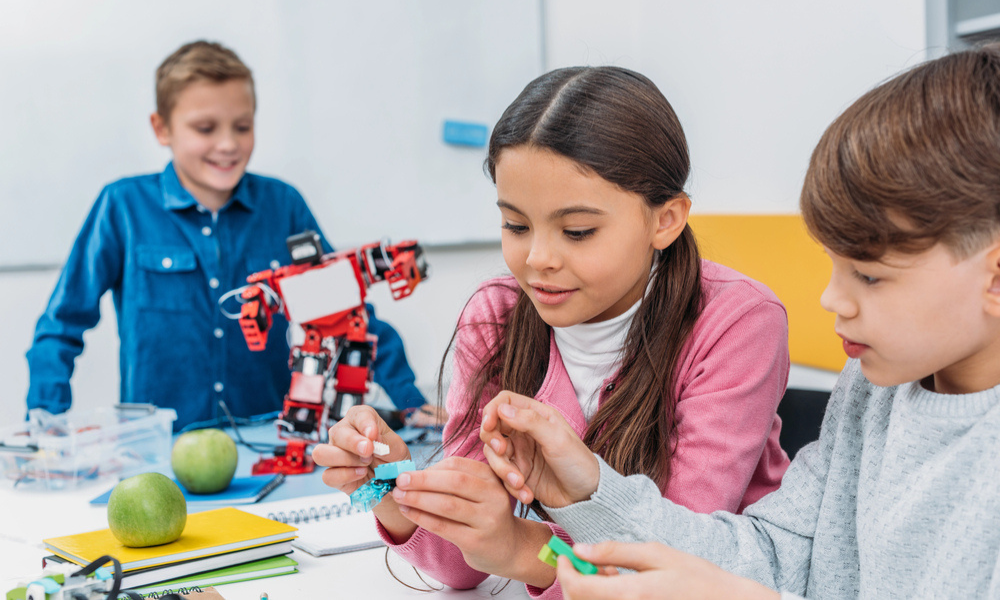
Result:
pixel 734 375
pixel 441 559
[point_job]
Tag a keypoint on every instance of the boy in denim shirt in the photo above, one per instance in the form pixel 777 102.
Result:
pixel 169 244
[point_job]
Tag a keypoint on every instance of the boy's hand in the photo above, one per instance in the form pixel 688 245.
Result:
pixel 662 572
pixel 536 453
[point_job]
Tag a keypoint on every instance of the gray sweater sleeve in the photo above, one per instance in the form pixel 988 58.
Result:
pixel 770 543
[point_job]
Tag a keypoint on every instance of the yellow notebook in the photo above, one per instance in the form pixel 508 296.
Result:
pixel 205 534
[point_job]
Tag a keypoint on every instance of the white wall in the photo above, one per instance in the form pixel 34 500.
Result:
pixel 754 87
pixel 753 83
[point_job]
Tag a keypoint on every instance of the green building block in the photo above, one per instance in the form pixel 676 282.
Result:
pixel 547 556
pixel 557 546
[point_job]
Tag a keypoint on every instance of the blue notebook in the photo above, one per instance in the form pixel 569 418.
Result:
pixel 241 490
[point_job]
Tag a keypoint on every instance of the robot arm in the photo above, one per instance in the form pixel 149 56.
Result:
pixel 255 316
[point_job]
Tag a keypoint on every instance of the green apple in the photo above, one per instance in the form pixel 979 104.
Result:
pixel 204 460
pixel 147 509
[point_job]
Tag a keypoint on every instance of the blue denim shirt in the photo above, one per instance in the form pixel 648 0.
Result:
pixel 167 261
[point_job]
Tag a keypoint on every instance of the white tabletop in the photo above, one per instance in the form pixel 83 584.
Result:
pixel 29 515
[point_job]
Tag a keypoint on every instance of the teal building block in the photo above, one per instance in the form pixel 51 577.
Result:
pixel 392 470
pixel 560 547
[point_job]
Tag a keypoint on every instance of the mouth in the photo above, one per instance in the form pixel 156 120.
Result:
pixel 550 294
pixel 853 349
pixel 223 165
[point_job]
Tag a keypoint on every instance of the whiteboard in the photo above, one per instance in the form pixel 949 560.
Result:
pixel 351 102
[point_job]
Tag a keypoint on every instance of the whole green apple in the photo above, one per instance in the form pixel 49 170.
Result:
pixel 204 460
pixel 147 509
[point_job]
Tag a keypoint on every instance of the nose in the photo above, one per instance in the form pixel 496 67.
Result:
pixel 542 256
pixel 227 141
pixel 835 299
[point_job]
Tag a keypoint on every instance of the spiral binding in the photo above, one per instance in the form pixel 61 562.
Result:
pixel 313 514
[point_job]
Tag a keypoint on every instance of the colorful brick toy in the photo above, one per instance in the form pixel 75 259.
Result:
pixel 371 493
pixel 555 547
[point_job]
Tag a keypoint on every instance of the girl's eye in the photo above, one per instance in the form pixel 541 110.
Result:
pixel 515 229
pixel 865 279
pixel 579 235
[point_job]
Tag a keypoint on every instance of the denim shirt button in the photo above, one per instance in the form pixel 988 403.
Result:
pixel 167 262
pixel 213 283
pixel 206 231
pixel 218 386
pixel 218 332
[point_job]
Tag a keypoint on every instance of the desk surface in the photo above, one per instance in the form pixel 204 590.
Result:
pixel 28 516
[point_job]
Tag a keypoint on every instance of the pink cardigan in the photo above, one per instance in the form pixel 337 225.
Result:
pixel 732 373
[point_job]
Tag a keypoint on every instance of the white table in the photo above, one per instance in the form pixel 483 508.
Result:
pixel 28 516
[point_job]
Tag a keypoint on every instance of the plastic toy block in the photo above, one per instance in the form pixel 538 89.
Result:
pixel 390 471
pixel 547 556
pixel 370 494
pixel 381 449
pixel 558 546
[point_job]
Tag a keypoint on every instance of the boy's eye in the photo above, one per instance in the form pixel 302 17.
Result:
pixel 244 128
pixel 515 229
pixel 578 235
pixel 203 128
pixel 865 279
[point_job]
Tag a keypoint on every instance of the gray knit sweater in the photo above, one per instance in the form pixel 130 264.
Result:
pixel 899 498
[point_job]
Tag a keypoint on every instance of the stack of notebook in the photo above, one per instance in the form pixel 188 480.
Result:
pixel 218 546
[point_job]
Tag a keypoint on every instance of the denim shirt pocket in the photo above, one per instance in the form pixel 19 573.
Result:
pixel 168 277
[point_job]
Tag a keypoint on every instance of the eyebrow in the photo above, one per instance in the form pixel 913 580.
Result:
pixel 562 212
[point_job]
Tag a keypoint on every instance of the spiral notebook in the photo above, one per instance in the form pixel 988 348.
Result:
pixel 327 523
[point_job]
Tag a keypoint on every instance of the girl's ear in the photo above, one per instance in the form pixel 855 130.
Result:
pixel 160 129
pixel 670 220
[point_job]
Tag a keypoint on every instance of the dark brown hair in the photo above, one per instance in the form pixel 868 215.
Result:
pixel 913 162
pixel 615 123
pixel 196 61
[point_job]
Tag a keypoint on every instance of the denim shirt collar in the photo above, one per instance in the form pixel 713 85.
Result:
pixel 175 197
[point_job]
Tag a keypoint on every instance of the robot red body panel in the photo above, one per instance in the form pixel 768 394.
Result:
pixel 325 295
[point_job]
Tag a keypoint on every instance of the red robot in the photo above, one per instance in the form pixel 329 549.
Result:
pixel 331 368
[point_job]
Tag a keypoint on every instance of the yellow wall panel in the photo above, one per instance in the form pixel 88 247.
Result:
pixel 777 251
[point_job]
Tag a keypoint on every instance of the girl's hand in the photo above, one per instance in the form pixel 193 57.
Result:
pixel 536 453
pixel 662 572
pixel 350 460
pixel 462 501
pixel 350 454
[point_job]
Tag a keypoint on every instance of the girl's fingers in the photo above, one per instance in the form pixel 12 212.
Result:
pixel 443 527
pixel 346 479
pixel 328 455
pixel 512 478
pixel 356 431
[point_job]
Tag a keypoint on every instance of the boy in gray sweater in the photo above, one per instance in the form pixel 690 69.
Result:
pixel 900 496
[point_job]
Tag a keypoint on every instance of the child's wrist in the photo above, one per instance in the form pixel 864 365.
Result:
pixel 399 528
pixel 531 537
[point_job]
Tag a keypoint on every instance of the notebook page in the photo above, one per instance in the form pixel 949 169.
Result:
pixel 327 523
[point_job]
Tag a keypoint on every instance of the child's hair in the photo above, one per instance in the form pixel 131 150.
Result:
pixel 913 162
pixel 196 61
pixel 615 123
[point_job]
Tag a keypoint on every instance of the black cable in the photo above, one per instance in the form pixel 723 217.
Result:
pixel 251 445
pixel 117 577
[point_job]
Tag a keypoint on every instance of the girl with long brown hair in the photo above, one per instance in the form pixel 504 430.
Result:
pixel 665 364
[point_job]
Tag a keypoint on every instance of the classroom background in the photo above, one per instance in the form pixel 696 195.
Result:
pixel 352 103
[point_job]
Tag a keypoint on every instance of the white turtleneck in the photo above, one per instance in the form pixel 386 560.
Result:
pixel 591 353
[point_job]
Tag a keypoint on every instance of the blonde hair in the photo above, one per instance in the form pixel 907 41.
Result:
pixel 197 61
